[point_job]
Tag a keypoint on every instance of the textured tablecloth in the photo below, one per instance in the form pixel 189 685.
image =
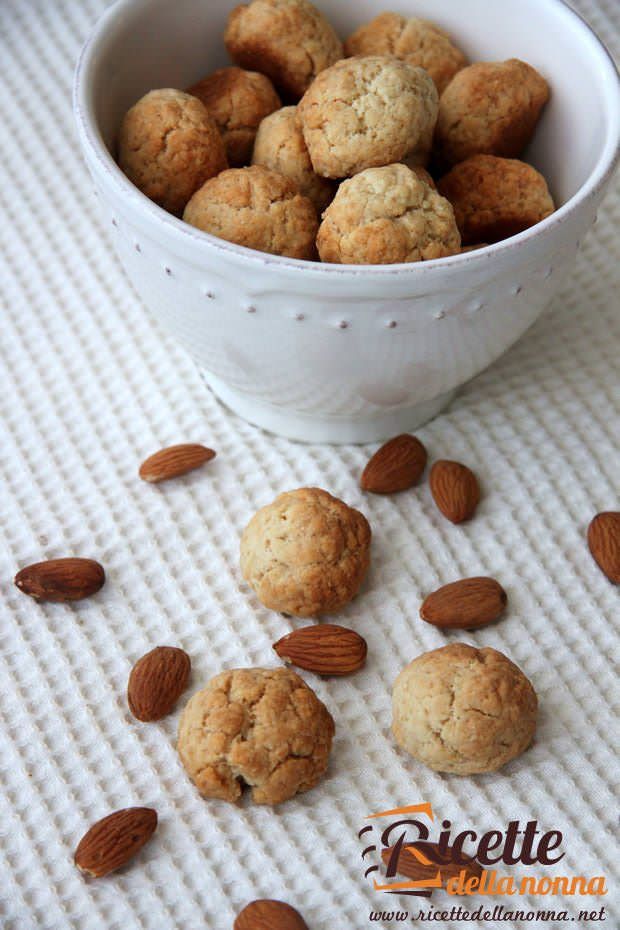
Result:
pixel 90 386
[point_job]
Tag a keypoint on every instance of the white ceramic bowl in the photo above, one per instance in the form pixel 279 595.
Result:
pixel 332 353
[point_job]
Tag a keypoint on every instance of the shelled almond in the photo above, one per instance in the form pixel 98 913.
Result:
pixel 157 681
pixel 465 605
pixel 396 466
pixel 448 862
pixel 113 841
pixel 604 543
pixel 268 914
pixel 326 649
pixel 455 490
pixel 69 579
pixel 174 461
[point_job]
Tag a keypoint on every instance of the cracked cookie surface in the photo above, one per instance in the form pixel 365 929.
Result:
pixel 367 112
pixel 288 40
pixel 417 41
pixel 463 710
pixel 257 208
pixel 280 146
pixel 306 553
pixel 237 100
pixel 264 728
pixel 168 146
pixel 387 215
pixel 491 108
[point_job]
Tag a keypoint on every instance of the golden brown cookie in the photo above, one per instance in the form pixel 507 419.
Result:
pixel 366 112
pixel 494 198
pixel 387 215
pixel 168 146
pixel 258 208
pixel 237 100
pixel 280 146
pixel 463 710
pixel 491 108
pixel 306 553
pixel 288 40
pixel 260 727
pixel 421 43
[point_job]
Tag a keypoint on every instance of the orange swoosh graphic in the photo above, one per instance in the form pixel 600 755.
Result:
pixel 412 809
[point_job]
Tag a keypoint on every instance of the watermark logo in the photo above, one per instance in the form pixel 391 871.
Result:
pixel 401 856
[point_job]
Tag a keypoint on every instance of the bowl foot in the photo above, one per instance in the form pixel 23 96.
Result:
pixel 305 427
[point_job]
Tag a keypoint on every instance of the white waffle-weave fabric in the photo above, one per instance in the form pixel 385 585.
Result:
pixel 90 386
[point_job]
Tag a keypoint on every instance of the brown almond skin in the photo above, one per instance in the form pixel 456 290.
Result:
pixel 174 461
pixel 447 863
pixel 604 543
pixel 268 914
pixel 60 580
pixel 157 681
pixel 325 649
pixel 112 841
pixel 396 466
pixel 467 604
pixel 455 490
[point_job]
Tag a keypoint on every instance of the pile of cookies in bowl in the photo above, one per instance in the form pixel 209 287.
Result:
pixel 390 147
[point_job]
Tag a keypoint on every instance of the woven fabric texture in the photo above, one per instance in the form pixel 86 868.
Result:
pixel 90 386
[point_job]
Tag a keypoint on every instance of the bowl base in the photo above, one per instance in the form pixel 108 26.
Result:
pixel 305 427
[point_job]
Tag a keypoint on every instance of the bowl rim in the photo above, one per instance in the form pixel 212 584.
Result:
pixel 94 146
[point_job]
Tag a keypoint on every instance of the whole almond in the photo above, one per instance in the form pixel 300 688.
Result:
pixel 267 914
pixel 111 842
pixel 157 681
pixel 174 461
pixel 465 605
pixel 455 490
pixel 447 862
pixel 326 649
pixel 604 543
pixel 396 466
pixel 61 579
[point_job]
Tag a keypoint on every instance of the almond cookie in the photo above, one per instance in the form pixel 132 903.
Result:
pixel 168 146
pixel 491 108
pixel 463 710
pixel 387 215
pixel 366 112
pixel 237 100
pixel 280 146
pixel 417 41
pixel 288 40
pixel 306 553
pixel 263 728
pixel 494 198
pixel 258 208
